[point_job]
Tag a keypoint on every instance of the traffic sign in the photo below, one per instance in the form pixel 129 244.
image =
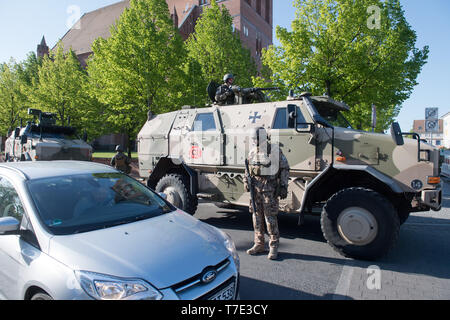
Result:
pixel 431 125
pixel 431 113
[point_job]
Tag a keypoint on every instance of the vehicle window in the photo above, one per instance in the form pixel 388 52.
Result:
pixel 205 122
pixel 81 203
pixel 281 119
pixel 10 204
pixel 333 116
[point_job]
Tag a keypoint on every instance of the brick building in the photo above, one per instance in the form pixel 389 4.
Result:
pixel 435 138
pixel 253 19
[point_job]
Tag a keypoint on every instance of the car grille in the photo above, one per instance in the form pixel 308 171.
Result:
pixel 197 278
pixel 220 288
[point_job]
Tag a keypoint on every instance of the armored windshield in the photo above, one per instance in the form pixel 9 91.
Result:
pixel 331 111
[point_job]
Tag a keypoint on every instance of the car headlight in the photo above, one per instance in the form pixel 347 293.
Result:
pixel 229 244
pixel 104 287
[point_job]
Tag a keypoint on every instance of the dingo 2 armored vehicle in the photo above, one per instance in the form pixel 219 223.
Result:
pixel 45 141
pixel 364 184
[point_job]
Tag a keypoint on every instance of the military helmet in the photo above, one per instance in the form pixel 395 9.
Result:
pixel 119 148
pixel 227 77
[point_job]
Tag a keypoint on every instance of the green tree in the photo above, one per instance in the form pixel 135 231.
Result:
pixel 61 89
pixel 139 68
pixel 214 50
pixel 358 51
pixel 11 102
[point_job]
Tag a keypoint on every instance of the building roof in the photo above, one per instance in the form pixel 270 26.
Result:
pixel 91 26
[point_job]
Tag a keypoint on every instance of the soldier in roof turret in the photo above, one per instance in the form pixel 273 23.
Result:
pixel 225 94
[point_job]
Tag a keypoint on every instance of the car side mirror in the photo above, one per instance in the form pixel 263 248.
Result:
pixel 396 134
pixel 9 225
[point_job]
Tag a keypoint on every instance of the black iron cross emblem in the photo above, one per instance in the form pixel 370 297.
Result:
pixel 255 117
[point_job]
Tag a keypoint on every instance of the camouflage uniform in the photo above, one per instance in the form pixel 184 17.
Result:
pixel 121 162
pixel 225 95
pixel 270 177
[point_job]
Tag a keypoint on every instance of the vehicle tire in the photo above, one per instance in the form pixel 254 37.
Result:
pixel 360 224
pixel 176 187
pixel 403 215
pixel 41 296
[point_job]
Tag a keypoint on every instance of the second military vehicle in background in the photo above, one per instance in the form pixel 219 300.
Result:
pixel 45 141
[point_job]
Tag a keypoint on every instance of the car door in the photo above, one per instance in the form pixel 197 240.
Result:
pixel 204 143
pixel 16 253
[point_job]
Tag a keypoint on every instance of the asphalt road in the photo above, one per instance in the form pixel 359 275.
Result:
pixel 308 268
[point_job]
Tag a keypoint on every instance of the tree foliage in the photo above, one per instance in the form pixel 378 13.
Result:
pixel 214 49
pixel 139 68
pixel 61 89
pixel 11 108
pixel 345 49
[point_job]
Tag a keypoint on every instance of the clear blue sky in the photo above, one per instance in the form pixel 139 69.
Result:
pixel 24 22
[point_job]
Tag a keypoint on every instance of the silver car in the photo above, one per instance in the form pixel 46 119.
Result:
pixel 78 230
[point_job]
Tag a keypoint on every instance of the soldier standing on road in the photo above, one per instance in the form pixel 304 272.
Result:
pixel 120 161
pixel 224 94
pixel 269 171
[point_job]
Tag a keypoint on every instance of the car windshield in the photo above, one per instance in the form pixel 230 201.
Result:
pixel 333 116
pixel 87 202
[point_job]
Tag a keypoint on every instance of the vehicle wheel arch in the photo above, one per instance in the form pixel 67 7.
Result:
pixel 33 290
pixel 339 179
pixel 167 166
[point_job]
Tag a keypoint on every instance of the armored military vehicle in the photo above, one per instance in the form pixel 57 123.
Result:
pixel 363 184
pixel 45 141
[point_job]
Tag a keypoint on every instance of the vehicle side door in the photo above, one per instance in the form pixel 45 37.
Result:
pixel 205 141
pixel 17 252
pixel 298 145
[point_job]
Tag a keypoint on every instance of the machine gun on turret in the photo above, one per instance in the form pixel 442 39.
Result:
pixel 243 95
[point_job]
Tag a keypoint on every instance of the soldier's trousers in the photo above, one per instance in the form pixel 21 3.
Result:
pixel 266 211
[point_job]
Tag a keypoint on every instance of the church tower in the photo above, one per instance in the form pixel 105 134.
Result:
pixel 42 49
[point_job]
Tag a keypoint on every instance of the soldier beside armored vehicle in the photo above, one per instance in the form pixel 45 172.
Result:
pixel 45 141
pixel 365 184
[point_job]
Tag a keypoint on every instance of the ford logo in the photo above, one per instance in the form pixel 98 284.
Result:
pixel 209 276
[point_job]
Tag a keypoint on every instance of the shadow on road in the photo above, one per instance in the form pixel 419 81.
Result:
pixel 288 224
pixel 423 247
pixel 252 289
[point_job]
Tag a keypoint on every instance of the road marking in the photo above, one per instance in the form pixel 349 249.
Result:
pixel 343 286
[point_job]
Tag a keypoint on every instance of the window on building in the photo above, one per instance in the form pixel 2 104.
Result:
pixel 268 11
pixel 245 31
pixel 258 6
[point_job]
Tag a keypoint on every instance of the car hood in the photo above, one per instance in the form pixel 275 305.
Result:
pixel 163 251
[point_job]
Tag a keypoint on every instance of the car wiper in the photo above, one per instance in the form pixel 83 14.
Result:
pixel 86 229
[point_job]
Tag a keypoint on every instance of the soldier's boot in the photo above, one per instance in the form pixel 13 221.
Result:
pixel 257 248
pixel 273 253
